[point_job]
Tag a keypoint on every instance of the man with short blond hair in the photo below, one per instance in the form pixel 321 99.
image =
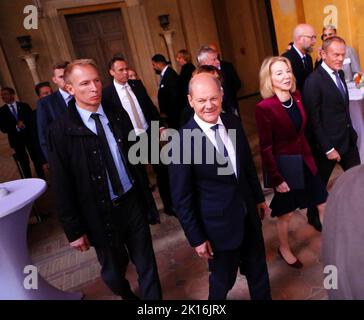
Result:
pixel 102 199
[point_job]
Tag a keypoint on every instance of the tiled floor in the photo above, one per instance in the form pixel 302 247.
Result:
pixel 183 275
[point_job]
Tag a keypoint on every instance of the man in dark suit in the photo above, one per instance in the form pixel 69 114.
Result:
pixel 102 199
pixel 184 59
pixel 217 194
pixel 231 83
pixel 16 120
pixel 169 104
pixel 304 39
pixel 131 96
pixel 52 106
pixel 332 136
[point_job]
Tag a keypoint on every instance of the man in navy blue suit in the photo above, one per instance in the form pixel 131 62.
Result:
pixel 217 199
pixel 52 106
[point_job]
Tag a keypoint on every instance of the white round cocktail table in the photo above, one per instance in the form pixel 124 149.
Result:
pixel 15 208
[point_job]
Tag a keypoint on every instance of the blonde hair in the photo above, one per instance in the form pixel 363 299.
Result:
pixel 265 76
pixel 75 63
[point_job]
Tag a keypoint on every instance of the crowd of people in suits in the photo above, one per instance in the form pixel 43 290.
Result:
pixel 80 133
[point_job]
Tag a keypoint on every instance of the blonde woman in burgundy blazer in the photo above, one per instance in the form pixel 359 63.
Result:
pixel 281 120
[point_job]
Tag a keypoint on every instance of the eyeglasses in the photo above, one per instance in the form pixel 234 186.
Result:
pixel 311 37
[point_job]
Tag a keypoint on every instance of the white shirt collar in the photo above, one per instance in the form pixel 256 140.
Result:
pixel 12 104
pixel 327 68
pixel 120 86
pixel 164 70
pixel 86 114
pixel 64 94
pixel 205 126
pixel 299 52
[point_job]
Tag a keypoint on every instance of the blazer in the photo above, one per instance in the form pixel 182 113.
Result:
pixel 8 124
pixel 298 68
pixel 79 177
pixel 49 108
pixel 110 96
pixel 278 135
pixel 231 84
pixel 211 206
pixel 168 101
pixel 328 110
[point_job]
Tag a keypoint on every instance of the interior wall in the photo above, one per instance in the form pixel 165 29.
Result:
pixel 245 38
pixel 11 25
pixel 155 8
pixel 288 13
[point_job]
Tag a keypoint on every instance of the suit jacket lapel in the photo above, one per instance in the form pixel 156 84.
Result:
pixel 115 97
pixel 332 84
pixel 236 144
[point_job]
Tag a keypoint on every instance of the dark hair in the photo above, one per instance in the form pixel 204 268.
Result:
pixel 117 57
pixel 8 89
pixel 41 85
pixel 330 40
pixel 159 58
pixel 60 65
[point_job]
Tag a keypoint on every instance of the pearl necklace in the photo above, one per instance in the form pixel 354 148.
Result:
pixel 287 107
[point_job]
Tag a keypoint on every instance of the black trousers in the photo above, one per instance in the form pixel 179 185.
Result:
pixel 22 150
pixel 136 245
pixel 250 258
pixel 325 167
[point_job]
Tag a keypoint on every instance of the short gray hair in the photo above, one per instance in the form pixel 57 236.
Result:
pixel 203 52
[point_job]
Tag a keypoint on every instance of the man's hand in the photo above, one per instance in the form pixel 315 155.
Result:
pixel 334 155
pixel 263 210
pixel 204 250
pixel 81 244
pixel 20 124
pixel 283 187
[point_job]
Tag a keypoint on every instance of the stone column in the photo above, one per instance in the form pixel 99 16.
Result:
pixel 30 59
pixel 168 38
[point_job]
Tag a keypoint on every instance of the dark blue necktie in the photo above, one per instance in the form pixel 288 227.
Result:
pixel 13 111
pixel 220 144
pixel 339 84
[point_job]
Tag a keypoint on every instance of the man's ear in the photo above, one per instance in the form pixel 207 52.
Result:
pixel 323 55
pixel 54 80
pixel 190 101
pixel 69 89
pixel 111 72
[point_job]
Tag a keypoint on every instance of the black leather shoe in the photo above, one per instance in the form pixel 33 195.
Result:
pixel 297 264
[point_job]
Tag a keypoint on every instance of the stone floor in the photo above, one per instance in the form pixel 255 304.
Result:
pixel 183 274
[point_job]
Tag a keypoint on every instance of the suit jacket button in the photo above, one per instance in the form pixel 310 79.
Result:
pixel 348 125
pixel 119 140
pixel 99 177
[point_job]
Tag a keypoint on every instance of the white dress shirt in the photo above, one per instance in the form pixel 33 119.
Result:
pixel 210 133
pixel 126 105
